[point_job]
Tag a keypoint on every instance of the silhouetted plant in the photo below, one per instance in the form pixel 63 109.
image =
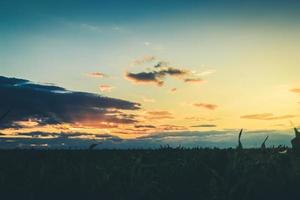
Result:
pixel 240 146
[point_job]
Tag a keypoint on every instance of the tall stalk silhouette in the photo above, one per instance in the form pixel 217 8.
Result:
pixel 263 145
pixel 296 141
pixel 240 146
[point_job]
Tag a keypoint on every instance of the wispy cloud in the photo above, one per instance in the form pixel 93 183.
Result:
pixel 146 43
pixel 267 116
pixel 91 27
pixel 170 127
pixel 193 80
pixel 148 100
pixel 206 106
pixel 106 88
pixel 196 118
pixel 204 73
pixel 159 115
pixel 96 75
pixel 161 64
pixel 173 90
pixel 295 90
pixel 144 60
pixel 204 126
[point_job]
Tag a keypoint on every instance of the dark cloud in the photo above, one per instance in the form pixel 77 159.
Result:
pixel 204 126
pixel 145 77
pixel 144 126
pixel 267 116
pixel 206 105
pixel 160 71
pixel 173 72
pixel 161 64
pixel 49 104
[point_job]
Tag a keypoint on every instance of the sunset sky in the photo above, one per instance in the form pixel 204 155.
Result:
pixel 141 73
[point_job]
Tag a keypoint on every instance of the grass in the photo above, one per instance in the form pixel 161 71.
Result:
pixel 149 174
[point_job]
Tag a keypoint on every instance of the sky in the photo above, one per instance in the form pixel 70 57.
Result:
pixel 134 74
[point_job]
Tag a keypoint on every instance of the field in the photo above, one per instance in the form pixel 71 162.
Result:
pixel 149 174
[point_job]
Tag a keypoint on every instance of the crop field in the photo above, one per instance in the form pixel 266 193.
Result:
pixel 164 173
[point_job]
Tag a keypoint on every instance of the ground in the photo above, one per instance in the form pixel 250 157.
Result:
pixel 150 174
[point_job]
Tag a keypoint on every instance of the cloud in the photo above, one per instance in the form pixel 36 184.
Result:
pixel 148 100
pixel 158 73
pixel 173 90
pixel 143 60
pixel 193 80
pixel 159 115
pixel 206 106
pixel 204 73
pixel 172 72
pixel 145 77
pixel 161 64
pixel 96 75
pixel 295 90
pixel 49 104
pixel 161 70
pixel 68 135
pixel 155 76
pixel 59 140
pixel 91 28
pixel 204 126
pixel 105 88
pixel 170 127
pixel 144 126
pixel 267 116
pixel 147 43
pixel 40 134
pixel 196 118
